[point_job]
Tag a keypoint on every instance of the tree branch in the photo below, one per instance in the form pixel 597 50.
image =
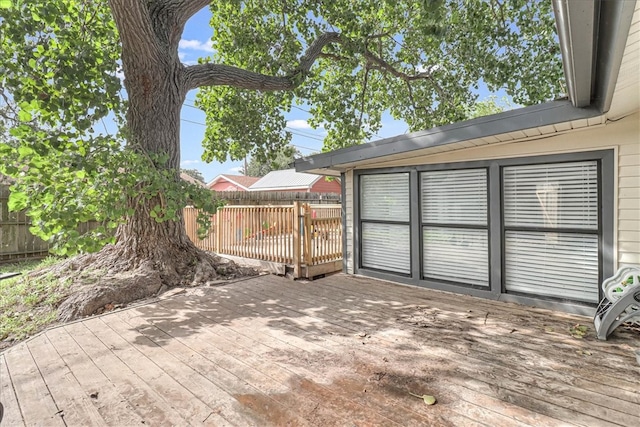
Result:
pixel 226 75
pixel 385 66
pixel 220 74
pixel 185 9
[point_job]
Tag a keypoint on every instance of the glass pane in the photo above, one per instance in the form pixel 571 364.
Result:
pixel 563 195
pixel 386 247
pixel 385 197
pixel 457 255
pixel 559 265
pixel 455 197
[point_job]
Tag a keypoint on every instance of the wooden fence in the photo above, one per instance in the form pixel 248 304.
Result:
pixel 254 198
pixel 16 241
pixel 306 236
pixel 303 236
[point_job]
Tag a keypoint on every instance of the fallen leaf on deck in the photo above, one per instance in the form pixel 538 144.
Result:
pixel 429 400
pixel 578 331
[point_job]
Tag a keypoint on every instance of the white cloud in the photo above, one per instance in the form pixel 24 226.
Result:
pixel 428 68
pixel 196 45
pixel 189 162
pixel 236 169
pixel 298 124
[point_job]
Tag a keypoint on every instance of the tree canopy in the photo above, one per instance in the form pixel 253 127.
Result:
pixel 194 173
pixel 349 62
pixel 282 160
pixel 422 61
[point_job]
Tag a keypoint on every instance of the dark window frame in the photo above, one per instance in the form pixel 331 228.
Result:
pixel 606 215
pixel 486 227
pixel 362 221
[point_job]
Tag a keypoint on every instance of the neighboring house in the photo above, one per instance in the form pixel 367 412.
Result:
pixel 290 180
pixel 537 205
pixel 192 180
pixel 232 183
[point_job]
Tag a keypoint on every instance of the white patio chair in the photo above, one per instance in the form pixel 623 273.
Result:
pixel 621 302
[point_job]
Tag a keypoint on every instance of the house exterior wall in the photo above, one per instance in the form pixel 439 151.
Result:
pixel 324 186
pixel 224 185
pixel 623 136
pixel 349 220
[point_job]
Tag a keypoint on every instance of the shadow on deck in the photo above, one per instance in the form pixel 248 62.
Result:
pixel 341 350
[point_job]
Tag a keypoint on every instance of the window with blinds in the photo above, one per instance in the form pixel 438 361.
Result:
pixel 550 214
pixel 385 215
pixel 455 226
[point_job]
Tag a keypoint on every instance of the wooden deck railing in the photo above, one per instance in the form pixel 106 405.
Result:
pixel 260 232
pixel 299 235
pixel 325 242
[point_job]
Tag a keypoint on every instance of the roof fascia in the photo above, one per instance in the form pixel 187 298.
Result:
pixel 614 24
pixel 303 188
pixel 576 22
pixel 533 116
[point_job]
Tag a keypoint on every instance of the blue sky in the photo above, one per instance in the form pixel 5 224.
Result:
pixel 195 43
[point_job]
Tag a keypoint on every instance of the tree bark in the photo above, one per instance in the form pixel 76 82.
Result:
pixel 156 89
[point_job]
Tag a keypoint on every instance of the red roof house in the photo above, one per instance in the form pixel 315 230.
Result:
pixel 232 183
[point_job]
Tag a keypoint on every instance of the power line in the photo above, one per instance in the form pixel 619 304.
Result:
pixel 304 135
pixel 191 121
pixel 295 145
pixel 300 133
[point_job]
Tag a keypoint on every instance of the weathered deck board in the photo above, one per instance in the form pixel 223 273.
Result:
pixel 143 399
pixel 76 406
pixel 12 416
pixel 112 406
pixel 36 402
pixel 601 412
pixel 338 351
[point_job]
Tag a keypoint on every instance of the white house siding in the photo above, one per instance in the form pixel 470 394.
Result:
pixel 349 220
pixel 622 135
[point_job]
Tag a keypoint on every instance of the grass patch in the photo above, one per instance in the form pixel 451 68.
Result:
pixel 28 304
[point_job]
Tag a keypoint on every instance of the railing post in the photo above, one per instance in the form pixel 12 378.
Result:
pixel 297 243
pixel 307 235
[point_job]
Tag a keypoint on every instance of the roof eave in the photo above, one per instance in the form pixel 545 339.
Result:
pixel 549 113
pixel 592 35
pixel 576 21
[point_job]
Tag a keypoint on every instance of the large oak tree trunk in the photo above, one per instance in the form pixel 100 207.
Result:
pixel 149 255
pixel 153 126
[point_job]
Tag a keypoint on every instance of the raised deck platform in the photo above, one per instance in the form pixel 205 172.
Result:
pixel 338 351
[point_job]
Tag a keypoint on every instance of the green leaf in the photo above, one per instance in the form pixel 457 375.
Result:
pixel 25 151
pixel 24 116
pixel 17 201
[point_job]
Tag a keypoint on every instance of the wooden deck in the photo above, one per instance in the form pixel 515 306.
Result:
pixel 337 351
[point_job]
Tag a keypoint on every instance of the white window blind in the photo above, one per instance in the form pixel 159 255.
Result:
pixel 455 198
pixel 551 230
pixel 385 197
pixel 559 265
pixel 386 247
pixel 458 255
pixel 563 195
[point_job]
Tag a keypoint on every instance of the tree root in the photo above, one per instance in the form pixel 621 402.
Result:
pixel 109 278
